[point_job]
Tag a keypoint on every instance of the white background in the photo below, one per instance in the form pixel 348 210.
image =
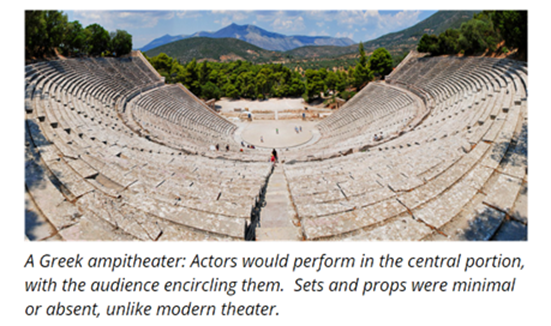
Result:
pixel 528 305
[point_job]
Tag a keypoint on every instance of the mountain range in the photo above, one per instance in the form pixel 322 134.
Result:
pixel 398 42
pixel 222 49
pixel 257 36
pixel 228 47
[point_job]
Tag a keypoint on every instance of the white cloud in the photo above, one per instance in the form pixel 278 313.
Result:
pixel 189 14
pixel 316 33
pixel 326 15
pixel 288 23
pixel 111 20
pixel 226 17
pixel 225 21
pixel 401 20
pixel 357 17
pixel 283 20
pixel 344 34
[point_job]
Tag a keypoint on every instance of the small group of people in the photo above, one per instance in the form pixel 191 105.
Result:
pixel 246 146
pixel 377 137
pixel 217 147
pixel 298 129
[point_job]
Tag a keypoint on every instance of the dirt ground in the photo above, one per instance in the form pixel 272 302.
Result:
pixel 284 137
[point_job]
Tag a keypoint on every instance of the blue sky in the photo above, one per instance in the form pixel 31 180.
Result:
pixel 358 25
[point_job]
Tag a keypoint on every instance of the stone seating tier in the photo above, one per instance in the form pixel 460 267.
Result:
pixel 110 154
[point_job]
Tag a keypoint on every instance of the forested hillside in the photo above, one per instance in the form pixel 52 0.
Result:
pixel 492 32
pixel 223 50
pixel 259 81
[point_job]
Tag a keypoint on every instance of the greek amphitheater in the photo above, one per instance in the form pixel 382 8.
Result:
pixel 435 152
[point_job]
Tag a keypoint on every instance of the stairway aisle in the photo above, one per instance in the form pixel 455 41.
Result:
pixel 276 218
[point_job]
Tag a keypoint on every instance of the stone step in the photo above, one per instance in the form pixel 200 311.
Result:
pixel 277 218
pixel 278 234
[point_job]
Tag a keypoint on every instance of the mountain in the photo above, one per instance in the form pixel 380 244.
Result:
pixel 257 36
pixel 409 37
pixel 273 41
pixel 207 46
pixel 161 41
pixel 396 43
pixel 222 49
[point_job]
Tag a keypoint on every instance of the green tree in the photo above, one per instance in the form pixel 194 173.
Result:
pixel 192 80
pixel 34 25
pixel 204 72
pixel 75 39
pixel 361 75
pixel 246 84
pixel 342 81
pixel 363 57
pixel 262 85
pixel 179 74
pixel 513 27
pixel 314 84
pixel 231 91
pixel 209 91
pixel 331 81
pixel 97 40
pixel 477 35
pixel 44 31
pixel 448 42
pixel 297 87
pixel 162 62
pixel 380 62
pixel 121 43
pixel 428 44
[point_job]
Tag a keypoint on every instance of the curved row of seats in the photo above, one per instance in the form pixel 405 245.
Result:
pixel 460 173
pixel 378 109
pixel 173 115
pixel 91 177
pixel 109 156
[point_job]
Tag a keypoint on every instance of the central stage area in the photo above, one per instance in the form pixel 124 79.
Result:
pixel 277 133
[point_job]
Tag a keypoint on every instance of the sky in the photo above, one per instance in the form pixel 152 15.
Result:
pixel 358 25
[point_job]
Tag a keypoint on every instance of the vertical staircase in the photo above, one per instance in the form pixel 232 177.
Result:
pixel 278 218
